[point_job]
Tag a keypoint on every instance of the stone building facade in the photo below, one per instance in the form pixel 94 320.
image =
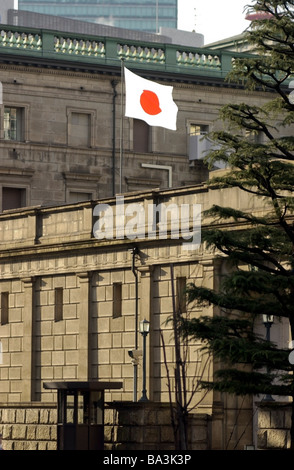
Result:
pixel 70 302
pixel 69 305
pixel 63 136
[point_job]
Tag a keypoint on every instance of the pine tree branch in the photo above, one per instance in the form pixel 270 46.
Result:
pixel 248 363
pixel 232 246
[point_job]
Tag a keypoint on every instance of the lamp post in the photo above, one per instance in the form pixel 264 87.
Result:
pixel 268 321
pixel 144 330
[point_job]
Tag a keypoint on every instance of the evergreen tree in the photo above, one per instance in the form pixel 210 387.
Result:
pixel 260 248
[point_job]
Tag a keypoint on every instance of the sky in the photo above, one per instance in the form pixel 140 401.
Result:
pixel 215 19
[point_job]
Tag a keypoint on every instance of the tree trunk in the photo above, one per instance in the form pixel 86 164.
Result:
pixel 178 378
pixel 292 396
pixel 292 425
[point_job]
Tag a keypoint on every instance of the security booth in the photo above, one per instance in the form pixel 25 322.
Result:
pixel 80 413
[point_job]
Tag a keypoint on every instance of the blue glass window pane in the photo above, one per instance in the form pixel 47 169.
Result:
pixel 130 14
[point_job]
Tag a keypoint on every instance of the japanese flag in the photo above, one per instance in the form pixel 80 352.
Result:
pixel 150 102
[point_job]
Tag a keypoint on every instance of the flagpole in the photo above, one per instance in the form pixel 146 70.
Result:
pixel 121 126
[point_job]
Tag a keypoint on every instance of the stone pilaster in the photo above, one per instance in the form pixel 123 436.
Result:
pixel 146 313
pixel 28 341
pixel 83 310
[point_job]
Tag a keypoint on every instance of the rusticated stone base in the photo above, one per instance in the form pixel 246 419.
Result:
pixel 28 426
pixel 274 422
pixel 128 426
pixel 147 426
pixel 134 426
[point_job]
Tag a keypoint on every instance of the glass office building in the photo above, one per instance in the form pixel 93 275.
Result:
pixel 140 15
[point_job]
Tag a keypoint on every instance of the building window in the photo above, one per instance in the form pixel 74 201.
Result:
pixel 198 129
pixel 80 130
pixel 13 123
pixel 198 145
pixel 117 300
pixel 13 198
pixel 141 136
pixel 78 196
pixel 181 294
pixel 81 127
pixel 81 187
pixel 58 312
pixel 4 307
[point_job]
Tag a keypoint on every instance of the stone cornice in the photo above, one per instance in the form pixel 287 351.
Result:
pixel 184 82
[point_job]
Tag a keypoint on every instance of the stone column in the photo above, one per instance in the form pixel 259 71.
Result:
pixel 28 391
pixel 146 313
pixel 83 309
pixel 211 277
pixel 32 221
pixel 88 221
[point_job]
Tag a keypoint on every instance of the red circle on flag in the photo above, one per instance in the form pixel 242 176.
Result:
pixel 150 102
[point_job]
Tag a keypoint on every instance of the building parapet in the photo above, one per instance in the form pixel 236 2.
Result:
pixel 85 49
pixel 72 226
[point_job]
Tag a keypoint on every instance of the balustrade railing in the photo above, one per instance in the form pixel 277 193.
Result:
pixel 20 40
pixel 141 53
pixel 199 59
pixel 79 47
pixel 105 50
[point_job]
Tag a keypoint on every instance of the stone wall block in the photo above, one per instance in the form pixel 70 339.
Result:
pixel 8 416
pixel 261 439
pixel 151 434
pixel 53 432
pixel 288 420
pixel 197 433
pixel 150 416
pixel 52 419
pixel 264 419
pixel 137 434
pixel 166 434
pixel 20 416
pixel 131 417
pixel 128 426
pixel 7 431
pixel 42 445
pixel 31 432
pixel 276 439
pixel 22 445
pixel 163 417
pixel 19 432
pixel 43 433
pixel 149 428
pixel 123 434
pixel 51 445
pixel 277 418
pixel 32 416
pixel 108 433
pixel 44 416
pixel 274 426
pixel 109 416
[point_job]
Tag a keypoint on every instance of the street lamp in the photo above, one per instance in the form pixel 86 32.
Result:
pixel 268 321
pixel 144 328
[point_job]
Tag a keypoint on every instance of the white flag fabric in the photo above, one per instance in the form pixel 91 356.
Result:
pixel 150 101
